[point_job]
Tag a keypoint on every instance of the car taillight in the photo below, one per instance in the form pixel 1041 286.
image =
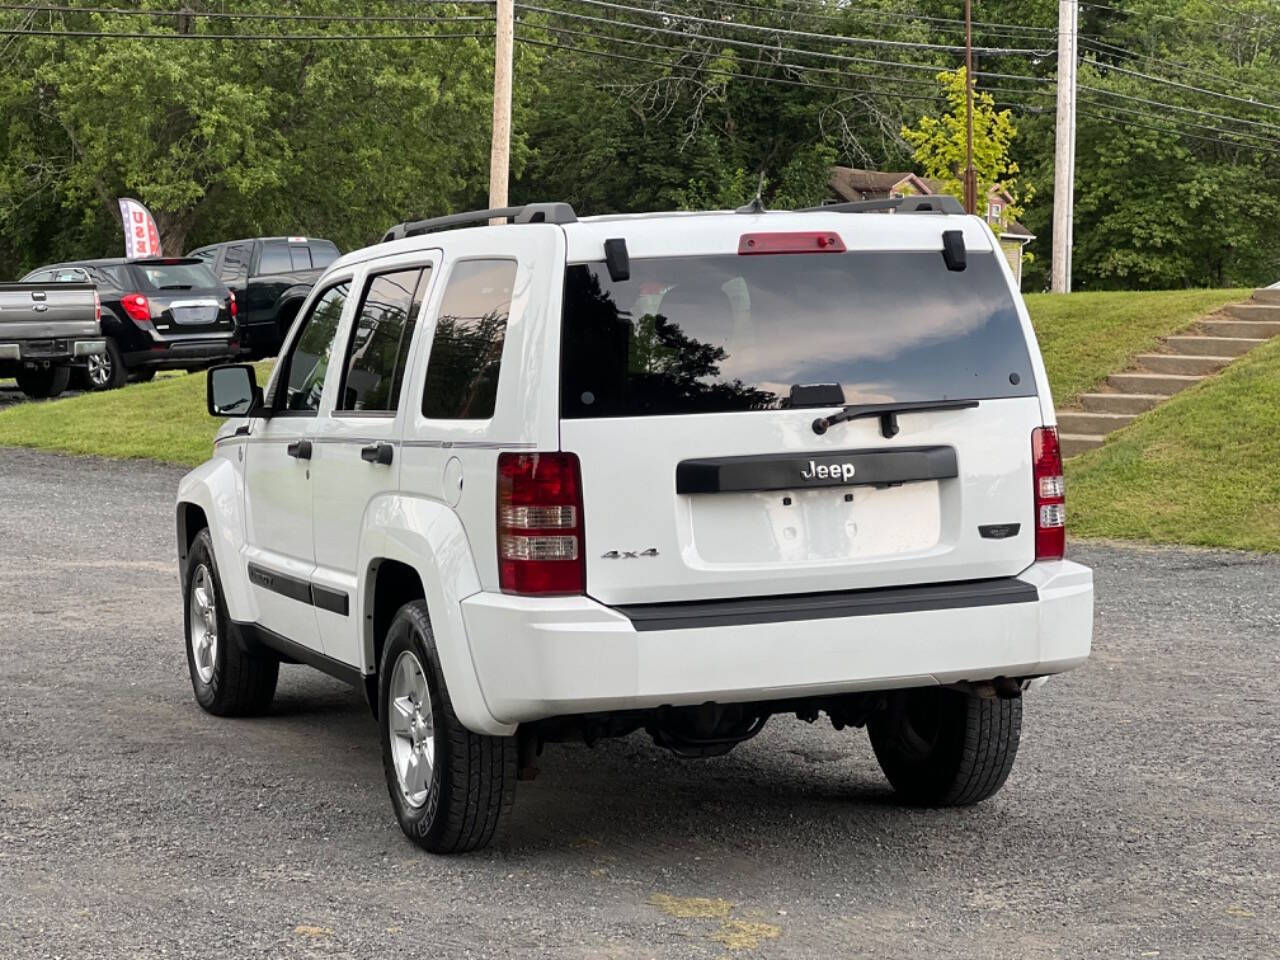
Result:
pixel 97 306
pixel 820 241
pixel 540 542
pixel 234 309
pixel 137 307
pixel 1049 494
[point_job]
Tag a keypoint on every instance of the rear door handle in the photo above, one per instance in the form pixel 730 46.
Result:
pixel 378 453
pixel 300 449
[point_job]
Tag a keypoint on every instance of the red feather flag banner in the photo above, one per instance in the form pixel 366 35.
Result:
pixel 141 236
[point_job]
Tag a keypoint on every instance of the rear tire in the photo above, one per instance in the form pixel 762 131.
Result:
pixel 106 371
pixel 43 383
pixel 450 788
pixel 227 681
pixel 946 748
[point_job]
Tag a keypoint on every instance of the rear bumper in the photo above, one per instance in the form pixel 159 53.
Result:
pixel 538 658
pixel 60 349
pixel 168 354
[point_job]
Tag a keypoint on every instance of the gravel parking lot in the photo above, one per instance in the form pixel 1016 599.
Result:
pixel 1141 820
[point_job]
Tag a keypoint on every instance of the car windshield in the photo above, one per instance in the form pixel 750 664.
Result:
pixel 176 275
pixel 715 334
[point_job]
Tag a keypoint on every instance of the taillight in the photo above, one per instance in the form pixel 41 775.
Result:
pixel 540 543
pixel 97 306
pixel 137 307
pixel 234 309
pixel 1050 494
pixel 820 241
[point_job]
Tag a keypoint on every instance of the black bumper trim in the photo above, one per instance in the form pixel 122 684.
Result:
pixel 687 615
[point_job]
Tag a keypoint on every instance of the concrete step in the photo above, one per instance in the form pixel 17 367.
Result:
pixel 1077 443
pixel 1130 403
pixel 1266 295
pixel 1211 346
pixel 1180 363
pixel 1166 383
pixel 1092 424
pixel 1250 329
pixel 1254 311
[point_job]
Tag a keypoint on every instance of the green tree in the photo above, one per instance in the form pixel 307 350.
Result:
pixel 941 144
pixel 232 137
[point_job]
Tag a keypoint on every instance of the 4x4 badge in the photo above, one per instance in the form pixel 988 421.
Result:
pixel 629 554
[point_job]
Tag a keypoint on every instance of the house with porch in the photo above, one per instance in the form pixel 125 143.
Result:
pixel 848 184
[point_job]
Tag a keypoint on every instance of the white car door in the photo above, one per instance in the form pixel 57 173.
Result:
pixel 279 546
pixel 356 458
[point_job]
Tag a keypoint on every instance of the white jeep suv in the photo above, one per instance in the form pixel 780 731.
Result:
pixel 569 479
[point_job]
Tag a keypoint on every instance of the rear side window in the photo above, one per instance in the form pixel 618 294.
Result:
pixel 235 263
pixel 323 252
pixel 309 360
pixel 275 258
pixel 731 333
pixel 466 352
pixel 174 276
pixel 379 348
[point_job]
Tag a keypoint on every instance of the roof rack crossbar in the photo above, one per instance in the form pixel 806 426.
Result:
pixel 529 213
pixel 916 203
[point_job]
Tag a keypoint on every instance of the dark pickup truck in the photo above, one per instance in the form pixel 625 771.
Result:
pixel 270 277
pixel 44 329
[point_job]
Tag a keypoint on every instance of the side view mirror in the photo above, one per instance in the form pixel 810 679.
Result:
pixel 233 391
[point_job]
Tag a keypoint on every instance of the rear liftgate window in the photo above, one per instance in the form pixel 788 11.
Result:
pixel 717 334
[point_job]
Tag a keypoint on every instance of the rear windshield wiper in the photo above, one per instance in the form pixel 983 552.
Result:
pixel 888 413
pixel 176 286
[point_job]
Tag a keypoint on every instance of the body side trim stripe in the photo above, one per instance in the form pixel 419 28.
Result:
pixel 295 588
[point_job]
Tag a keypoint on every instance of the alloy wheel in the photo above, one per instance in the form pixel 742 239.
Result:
pixel 202 619
pixel 100 371
pixel 411 728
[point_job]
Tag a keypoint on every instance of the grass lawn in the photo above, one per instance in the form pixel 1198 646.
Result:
pixel 1202 469
pixel 161 420
pixel 1086 336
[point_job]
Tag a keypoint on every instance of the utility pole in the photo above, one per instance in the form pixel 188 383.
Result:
pixel 1064 156
pixel 500 151
pixel 970 174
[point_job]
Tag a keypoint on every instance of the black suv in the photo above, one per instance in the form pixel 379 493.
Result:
pixel 270 277
pixel 157 314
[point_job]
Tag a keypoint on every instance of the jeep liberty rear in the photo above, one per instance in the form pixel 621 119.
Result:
pixel 568 479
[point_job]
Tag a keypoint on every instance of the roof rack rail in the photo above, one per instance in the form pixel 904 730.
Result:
pixel 529 213
pixel 916 203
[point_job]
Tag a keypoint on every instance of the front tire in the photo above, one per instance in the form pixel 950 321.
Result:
pixel 450 788
pixel 227 681
pixel 106 371
pixel 43 383
pixel 946 748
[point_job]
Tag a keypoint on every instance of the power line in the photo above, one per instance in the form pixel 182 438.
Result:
pixel 1180 85
pixel 724 73
pixel 885 18
pixel 213 15
pixel 826 37
pixel 778 64
pixel 728 41
pixel 82 34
